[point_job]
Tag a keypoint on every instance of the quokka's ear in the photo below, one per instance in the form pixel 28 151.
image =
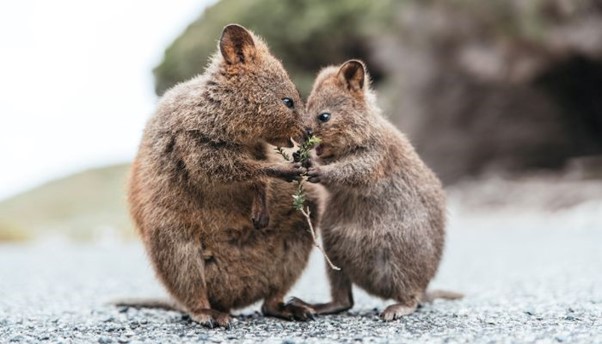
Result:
pixel 237 45
pixel 353 75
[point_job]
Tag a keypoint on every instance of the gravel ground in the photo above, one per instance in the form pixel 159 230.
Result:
pixel 527 278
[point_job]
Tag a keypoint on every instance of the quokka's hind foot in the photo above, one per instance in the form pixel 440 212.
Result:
pixel 288 311
pixel 342 297
pixel 211 318
pixel 398 310
pixel 259 210
pixel 260 218
pixel 332 307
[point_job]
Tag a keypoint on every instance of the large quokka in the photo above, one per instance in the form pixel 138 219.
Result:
pixel 384 220
pixel 203 161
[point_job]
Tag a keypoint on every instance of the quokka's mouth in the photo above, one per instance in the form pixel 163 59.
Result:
pixel 324 153
pixel 300 136
pixel 319 150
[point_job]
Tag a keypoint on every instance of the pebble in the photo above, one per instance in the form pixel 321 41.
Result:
pixel 105 340
pixel 520 306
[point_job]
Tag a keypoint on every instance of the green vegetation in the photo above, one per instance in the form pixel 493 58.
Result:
pixel 305 35
pixel 11 233
pixel 462 119
pixel 308 35
pixel 302 155
pixel 82 207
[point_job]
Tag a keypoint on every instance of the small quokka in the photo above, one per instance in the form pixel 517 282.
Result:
pixel 204 178
pixel 384 219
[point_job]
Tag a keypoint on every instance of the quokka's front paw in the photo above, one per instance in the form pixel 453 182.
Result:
pixel 315 175
pixel 211 318
pixel 260 218
pixel 292 173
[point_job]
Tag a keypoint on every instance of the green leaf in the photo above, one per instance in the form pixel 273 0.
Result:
pixel 299 197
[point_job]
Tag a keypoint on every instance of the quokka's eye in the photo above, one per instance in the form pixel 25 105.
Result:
pixel 324 117
pixel 288 102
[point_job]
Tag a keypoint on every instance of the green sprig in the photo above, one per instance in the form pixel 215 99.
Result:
pixel 306 147
pixel 304 155
pixel 299 197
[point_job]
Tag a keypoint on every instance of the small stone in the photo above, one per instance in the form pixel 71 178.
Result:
pixel 105 340
pixel 16 338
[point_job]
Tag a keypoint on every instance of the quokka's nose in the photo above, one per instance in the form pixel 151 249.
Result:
pixel 309 131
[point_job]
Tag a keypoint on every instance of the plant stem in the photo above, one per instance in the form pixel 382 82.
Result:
pixel 306 213
pixel 299 196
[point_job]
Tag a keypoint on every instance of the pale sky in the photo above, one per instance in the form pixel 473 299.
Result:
pixel 76 82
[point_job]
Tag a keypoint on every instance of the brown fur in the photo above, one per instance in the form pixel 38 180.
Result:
pixel 384 221
pixel 204 169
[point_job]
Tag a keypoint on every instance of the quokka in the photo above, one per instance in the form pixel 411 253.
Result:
pixel 204 179
pixel 384 219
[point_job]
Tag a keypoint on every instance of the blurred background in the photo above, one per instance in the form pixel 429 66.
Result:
pixel 503 99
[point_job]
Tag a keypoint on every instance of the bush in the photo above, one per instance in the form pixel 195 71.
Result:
pixel 305 35
pixel 477 85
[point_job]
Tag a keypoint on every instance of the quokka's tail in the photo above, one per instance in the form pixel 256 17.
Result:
pixel 431 295
pixel 148 303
